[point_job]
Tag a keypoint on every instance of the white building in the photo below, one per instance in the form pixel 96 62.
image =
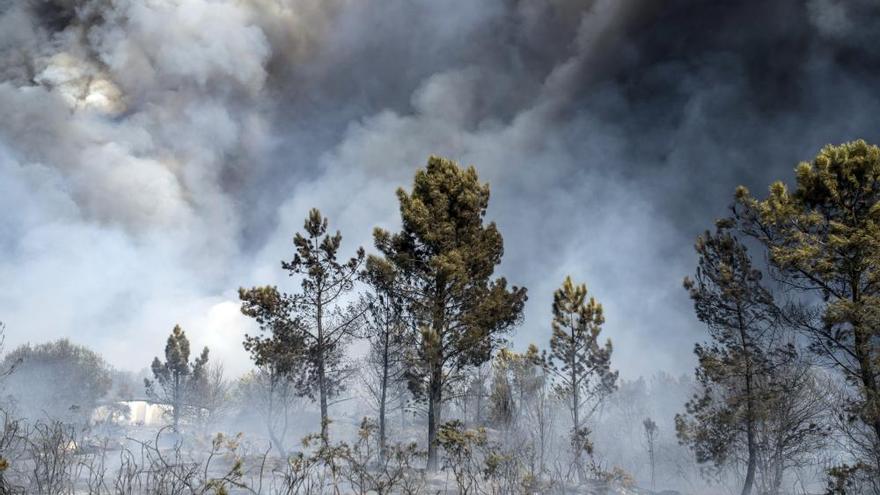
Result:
pixel 132 413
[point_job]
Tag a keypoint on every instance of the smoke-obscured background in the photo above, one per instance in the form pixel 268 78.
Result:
pixel 155 155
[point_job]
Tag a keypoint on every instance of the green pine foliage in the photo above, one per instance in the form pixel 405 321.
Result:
pixel 176 381
pixel 307 332
pixel 445 256
pixel 579 362
pixel 823 241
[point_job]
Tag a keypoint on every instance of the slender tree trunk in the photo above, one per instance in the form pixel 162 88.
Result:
pixel 542 429
pixel 322 391
pixel 578 458
pixel 175 408
pixel 464 408
pixel 322 372
pixel 383 398
pixel 752 458
pixel 575 407
pixel 478 406
pixel 435 385
pixel 478 416
pixel 751 443
pixel 435 396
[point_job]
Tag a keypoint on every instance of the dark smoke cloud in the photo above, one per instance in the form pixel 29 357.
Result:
pixel 156 155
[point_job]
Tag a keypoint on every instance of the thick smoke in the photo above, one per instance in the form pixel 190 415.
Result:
pixel 155 155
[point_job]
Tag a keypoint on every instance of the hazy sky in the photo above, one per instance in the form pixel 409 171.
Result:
pixel 155 155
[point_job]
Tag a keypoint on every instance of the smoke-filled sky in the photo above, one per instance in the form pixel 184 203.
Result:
pixel 155 155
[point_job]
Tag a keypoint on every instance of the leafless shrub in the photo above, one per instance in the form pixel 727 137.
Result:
pixel 50 447
pixel 368 470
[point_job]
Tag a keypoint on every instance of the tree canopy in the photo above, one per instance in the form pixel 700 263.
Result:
pixel 445 257
pixel 60 379
pixel 823 239
pixel 309 329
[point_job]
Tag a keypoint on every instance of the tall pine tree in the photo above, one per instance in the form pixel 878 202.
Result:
pixel 823 238
pixel 580 364
pixel 316 322
pixel 446 257
pixel 735 368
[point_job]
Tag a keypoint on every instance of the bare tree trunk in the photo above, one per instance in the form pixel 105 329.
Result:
pixel 322 378
pixel 575 411
pixel 751 443
pixel 434 400
pixel 175 408
pixel 383 398
pixel 578 458
pixel 752 458
pixel 435 386
pixel 542 431
pixel 322 390
pixel 478 416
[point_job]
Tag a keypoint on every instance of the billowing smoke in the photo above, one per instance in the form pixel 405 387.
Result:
pixel 155 155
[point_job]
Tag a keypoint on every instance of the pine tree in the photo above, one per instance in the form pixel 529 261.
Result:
pixel 446 257
pixel 735 368
pixel 310 329
pixel 177 381
pixel 580 365
pixel 280 356
pixel 824 239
